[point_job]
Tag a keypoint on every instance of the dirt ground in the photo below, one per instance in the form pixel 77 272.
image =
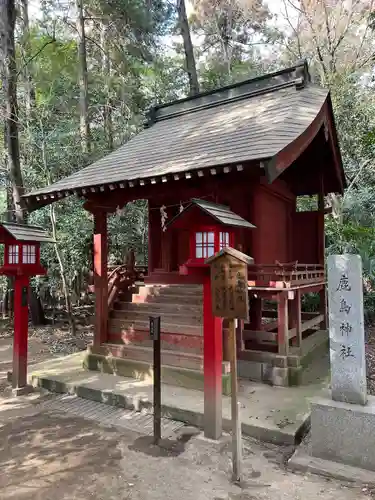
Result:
pixel 47 454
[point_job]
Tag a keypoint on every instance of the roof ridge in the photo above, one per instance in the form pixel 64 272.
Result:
pixel 297 76
pixel 22 224
pixel 197 200
pixel 231 100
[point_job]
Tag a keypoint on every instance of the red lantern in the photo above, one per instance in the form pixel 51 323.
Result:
pixel 21 260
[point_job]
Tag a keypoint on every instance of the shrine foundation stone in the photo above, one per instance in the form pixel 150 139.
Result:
pixel 342 424
pixel 343 432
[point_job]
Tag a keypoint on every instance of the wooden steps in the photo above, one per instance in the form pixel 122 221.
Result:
pixel 168 318
pixel 129 348
pixel 130 324
pixel 173 294
pixel 159 307
pixel 179 306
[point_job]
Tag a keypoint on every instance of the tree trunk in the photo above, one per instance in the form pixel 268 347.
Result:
pixel 188 47
pixel 52 213
pixel 36 308
pixel 11 118
pixel 68 303
pixel 83 81
pixel 27 64
pixel 106 70
pixel 9 71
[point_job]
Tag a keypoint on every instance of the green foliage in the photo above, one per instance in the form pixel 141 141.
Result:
pixel 135 59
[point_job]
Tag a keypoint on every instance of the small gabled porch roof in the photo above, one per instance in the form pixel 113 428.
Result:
pixel 220 213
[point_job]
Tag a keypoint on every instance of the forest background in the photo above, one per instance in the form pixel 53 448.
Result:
pixel 78 77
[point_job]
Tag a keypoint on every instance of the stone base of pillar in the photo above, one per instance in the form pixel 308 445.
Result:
pixel 343 432
pixel 17 391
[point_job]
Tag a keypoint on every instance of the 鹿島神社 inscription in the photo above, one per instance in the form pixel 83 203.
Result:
pixel 346 329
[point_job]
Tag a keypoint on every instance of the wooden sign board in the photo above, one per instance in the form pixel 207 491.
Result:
pixel 230 297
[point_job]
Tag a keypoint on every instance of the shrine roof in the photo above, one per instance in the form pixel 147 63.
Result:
pixel 254 120
pixel 24 232
pixel 220 213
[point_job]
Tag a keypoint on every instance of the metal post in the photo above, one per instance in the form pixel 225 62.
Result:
pixel 236 423
pixel 155 335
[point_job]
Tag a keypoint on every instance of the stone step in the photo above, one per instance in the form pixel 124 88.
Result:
pixel 180 290
pixel 143 315
pixel 170 299
pixel 168 358
pixel 117 325
pixel 159 308
pixel 168 343
pixel 139 370
pixel 170 290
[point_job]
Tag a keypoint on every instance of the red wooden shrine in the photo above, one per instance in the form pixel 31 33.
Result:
pixel 249 150
pixel 21 260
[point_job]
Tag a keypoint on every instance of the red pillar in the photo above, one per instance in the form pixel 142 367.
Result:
pixel 295 318
pixel 150 260
pixel 100 277
pixel 21 320
pixel 282 324
pixel 212 363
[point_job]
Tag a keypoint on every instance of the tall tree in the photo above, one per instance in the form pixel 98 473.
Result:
pixel 107 71
pixel 334 34
pixel 229 29
pixel 83 80
pixel 26 62
pixel 188 47
pixel 11 117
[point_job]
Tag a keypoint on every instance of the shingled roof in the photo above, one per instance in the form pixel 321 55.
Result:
pixel 24 232
pixel 252 120
pixel 220 213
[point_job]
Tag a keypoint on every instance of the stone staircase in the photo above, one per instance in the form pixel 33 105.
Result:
pixel 129 348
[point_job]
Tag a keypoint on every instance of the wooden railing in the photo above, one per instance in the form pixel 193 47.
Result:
pixel 122 277
pixel 285 275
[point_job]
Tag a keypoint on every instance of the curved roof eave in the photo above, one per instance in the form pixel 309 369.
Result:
pixel 256 128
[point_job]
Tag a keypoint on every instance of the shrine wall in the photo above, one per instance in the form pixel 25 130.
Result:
pixel 308 242
pixel 272 208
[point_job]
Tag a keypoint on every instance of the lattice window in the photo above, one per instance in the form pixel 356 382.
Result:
pixel 224 240
pixel 204 245
pixel 13 254
pixel 28 254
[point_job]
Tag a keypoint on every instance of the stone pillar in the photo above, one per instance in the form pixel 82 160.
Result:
pixel 342 425
pixel 100 277
pixel 346 329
